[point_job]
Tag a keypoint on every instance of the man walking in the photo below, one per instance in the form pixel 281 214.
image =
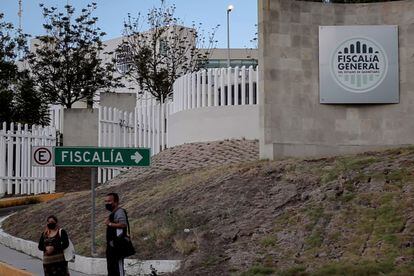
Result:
pixel 116 226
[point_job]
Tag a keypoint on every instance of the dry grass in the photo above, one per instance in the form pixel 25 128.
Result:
pixel 350 214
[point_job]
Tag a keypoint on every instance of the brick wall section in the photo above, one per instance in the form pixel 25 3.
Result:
pixel 69 179
pixel 193 156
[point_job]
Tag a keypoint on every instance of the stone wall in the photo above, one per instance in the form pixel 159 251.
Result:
pixel 213 123
pixel 292 121
pixel 81 129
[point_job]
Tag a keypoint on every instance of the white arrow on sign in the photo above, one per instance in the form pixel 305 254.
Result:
pixel 136 157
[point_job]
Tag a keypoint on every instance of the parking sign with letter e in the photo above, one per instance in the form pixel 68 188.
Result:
pixel 42 156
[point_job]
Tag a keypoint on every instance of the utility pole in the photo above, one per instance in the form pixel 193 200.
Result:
pixel 229 9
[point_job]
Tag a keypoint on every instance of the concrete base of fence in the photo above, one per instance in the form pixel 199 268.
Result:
pixel 87 265
pixel 29 199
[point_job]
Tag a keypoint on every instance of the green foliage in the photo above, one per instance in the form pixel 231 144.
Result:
pixel 268 241
pixel 66 62
pixel 259 270
pixel 360 269
pixel 156 58
pixel 30 106
pixel 20 101
pixel 294 271
pixel 345 164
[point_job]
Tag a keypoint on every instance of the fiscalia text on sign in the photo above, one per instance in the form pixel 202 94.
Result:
pixel 105 157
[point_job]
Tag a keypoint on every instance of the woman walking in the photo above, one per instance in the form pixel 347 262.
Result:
pixel 52 242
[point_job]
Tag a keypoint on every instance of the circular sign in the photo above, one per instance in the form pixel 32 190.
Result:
pixel 359 64
pixel 42 156
pixel 123 59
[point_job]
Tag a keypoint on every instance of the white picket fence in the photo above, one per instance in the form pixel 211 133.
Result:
pixel 56 117
pixel 145 128
pixel 17 175
pixel 216 87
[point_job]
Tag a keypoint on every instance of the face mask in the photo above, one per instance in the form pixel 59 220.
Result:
pixel 51 225
pixel 109 207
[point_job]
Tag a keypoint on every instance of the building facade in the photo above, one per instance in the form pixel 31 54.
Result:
pixel 293 119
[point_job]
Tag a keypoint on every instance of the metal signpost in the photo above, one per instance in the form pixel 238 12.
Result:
pixel 98 157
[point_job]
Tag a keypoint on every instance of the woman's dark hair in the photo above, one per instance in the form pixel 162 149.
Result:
pixel 52 217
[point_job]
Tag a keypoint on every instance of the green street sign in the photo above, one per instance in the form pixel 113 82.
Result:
pixel 101 157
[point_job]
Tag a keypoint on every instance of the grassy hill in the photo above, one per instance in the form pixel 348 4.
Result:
pixel 348 215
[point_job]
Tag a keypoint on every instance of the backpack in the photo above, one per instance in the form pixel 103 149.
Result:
pixel 69 252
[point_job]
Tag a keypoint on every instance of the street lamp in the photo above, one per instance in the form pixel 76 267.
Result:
pixel 229 9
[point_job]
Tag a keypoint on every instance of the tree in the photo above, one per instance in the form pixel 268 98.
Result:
pixel 30 107
pixel 8 70
pixel 66 62
pixel 157 57
pixel 19 100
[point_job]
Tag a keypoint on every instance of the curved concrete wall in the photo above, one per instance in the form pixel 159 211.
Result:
pixel 213 123
pixel 292 121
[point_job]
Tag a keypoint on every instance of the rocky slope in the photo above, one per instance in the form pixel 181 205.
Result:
pixel 349 215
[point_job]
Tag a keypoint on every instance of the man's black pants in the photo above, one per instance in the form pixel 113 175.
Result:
pixel 115 265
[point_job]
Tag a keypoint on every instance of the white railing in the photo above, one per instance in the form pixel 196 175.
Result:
pixel 216 87
pixel 56 117
pixel 115 129
pixel 145 128
pixel 151 118
pixel 17 175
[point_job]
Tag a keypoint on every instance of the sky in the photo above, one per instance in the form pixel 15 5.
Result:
pixel 111 14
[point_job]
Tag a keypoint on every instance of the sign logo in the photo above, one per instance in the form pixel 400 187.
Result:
pixel 42 156
pixel 123 59
pixel 359 65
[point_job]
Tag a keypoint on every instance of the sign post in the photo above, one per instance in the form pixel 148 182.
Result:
pixel 98 157
pixel 93 185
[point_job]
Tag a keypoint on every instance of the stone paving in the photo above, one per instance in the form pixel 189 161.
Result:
pixel 194 156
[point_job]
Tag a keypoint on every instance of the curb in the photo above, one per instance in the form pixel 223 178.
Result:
pixel 24 200
pixel 9 270
pixel 89 265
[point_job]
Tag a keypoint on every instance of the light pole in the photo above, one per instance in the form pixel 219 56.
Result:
pixel 229 9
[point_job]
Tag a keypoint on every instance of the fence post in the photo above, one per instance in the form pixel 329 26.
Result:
pixel 243 85
pixel 28 161
pixel 3 158
pixel 193 90
pixel 250 85
pixel 209 86
pixel 229 90
pixel 236 86
pixel 203 88
pixel 216 87
pixel 222 88
pixel 10 159
pixel 198 89
pixel 257 85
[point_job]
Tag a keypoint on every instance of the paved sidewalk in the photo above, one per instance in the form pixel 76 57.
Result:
pixel 23 261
